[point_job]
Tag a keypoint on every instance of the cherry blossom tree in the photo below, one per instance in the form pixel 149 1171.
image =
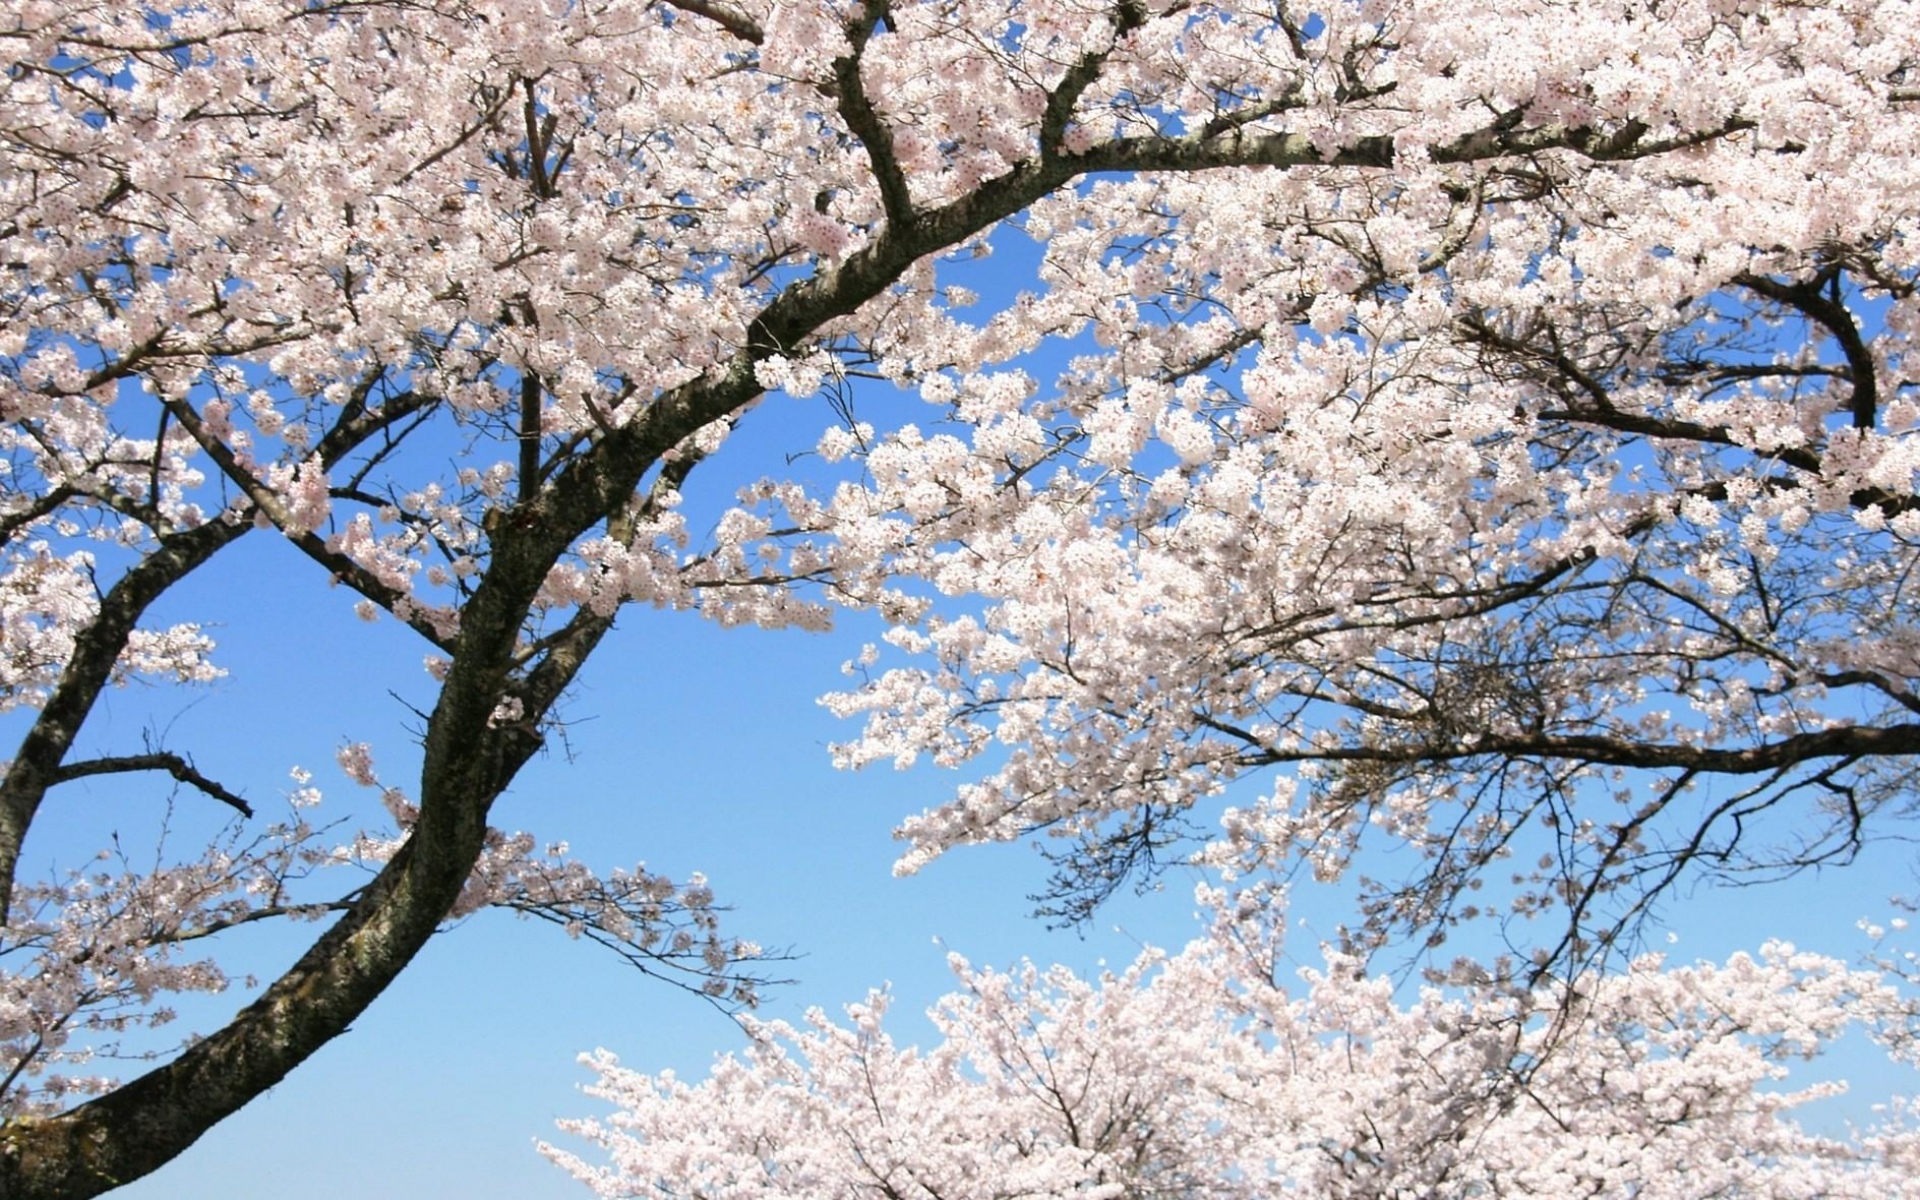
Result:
pixel 1204 1074
pixel 1492 417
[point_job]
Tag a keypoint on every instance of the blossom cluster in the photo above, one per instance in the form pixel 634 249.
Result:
pixel 1211 1073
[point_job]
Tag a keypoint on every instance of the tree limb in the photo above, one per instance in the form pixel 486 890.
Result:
pixel 159 760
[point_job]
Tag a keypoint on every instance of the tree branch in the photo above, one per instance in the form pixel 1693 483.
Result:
pixel 1844 741
pixel 726 16
pixel 173 764
pixel 96 651
pixel 857 110
pixel 275 509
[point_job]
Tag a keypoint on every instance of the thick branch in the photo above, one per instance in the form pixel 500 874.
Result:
pixel 866 123
pixel 133 1130
pixel 1848 741
pixel 1242 148
pixel 726 16
pixel 1811 299
pixel 1128 15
